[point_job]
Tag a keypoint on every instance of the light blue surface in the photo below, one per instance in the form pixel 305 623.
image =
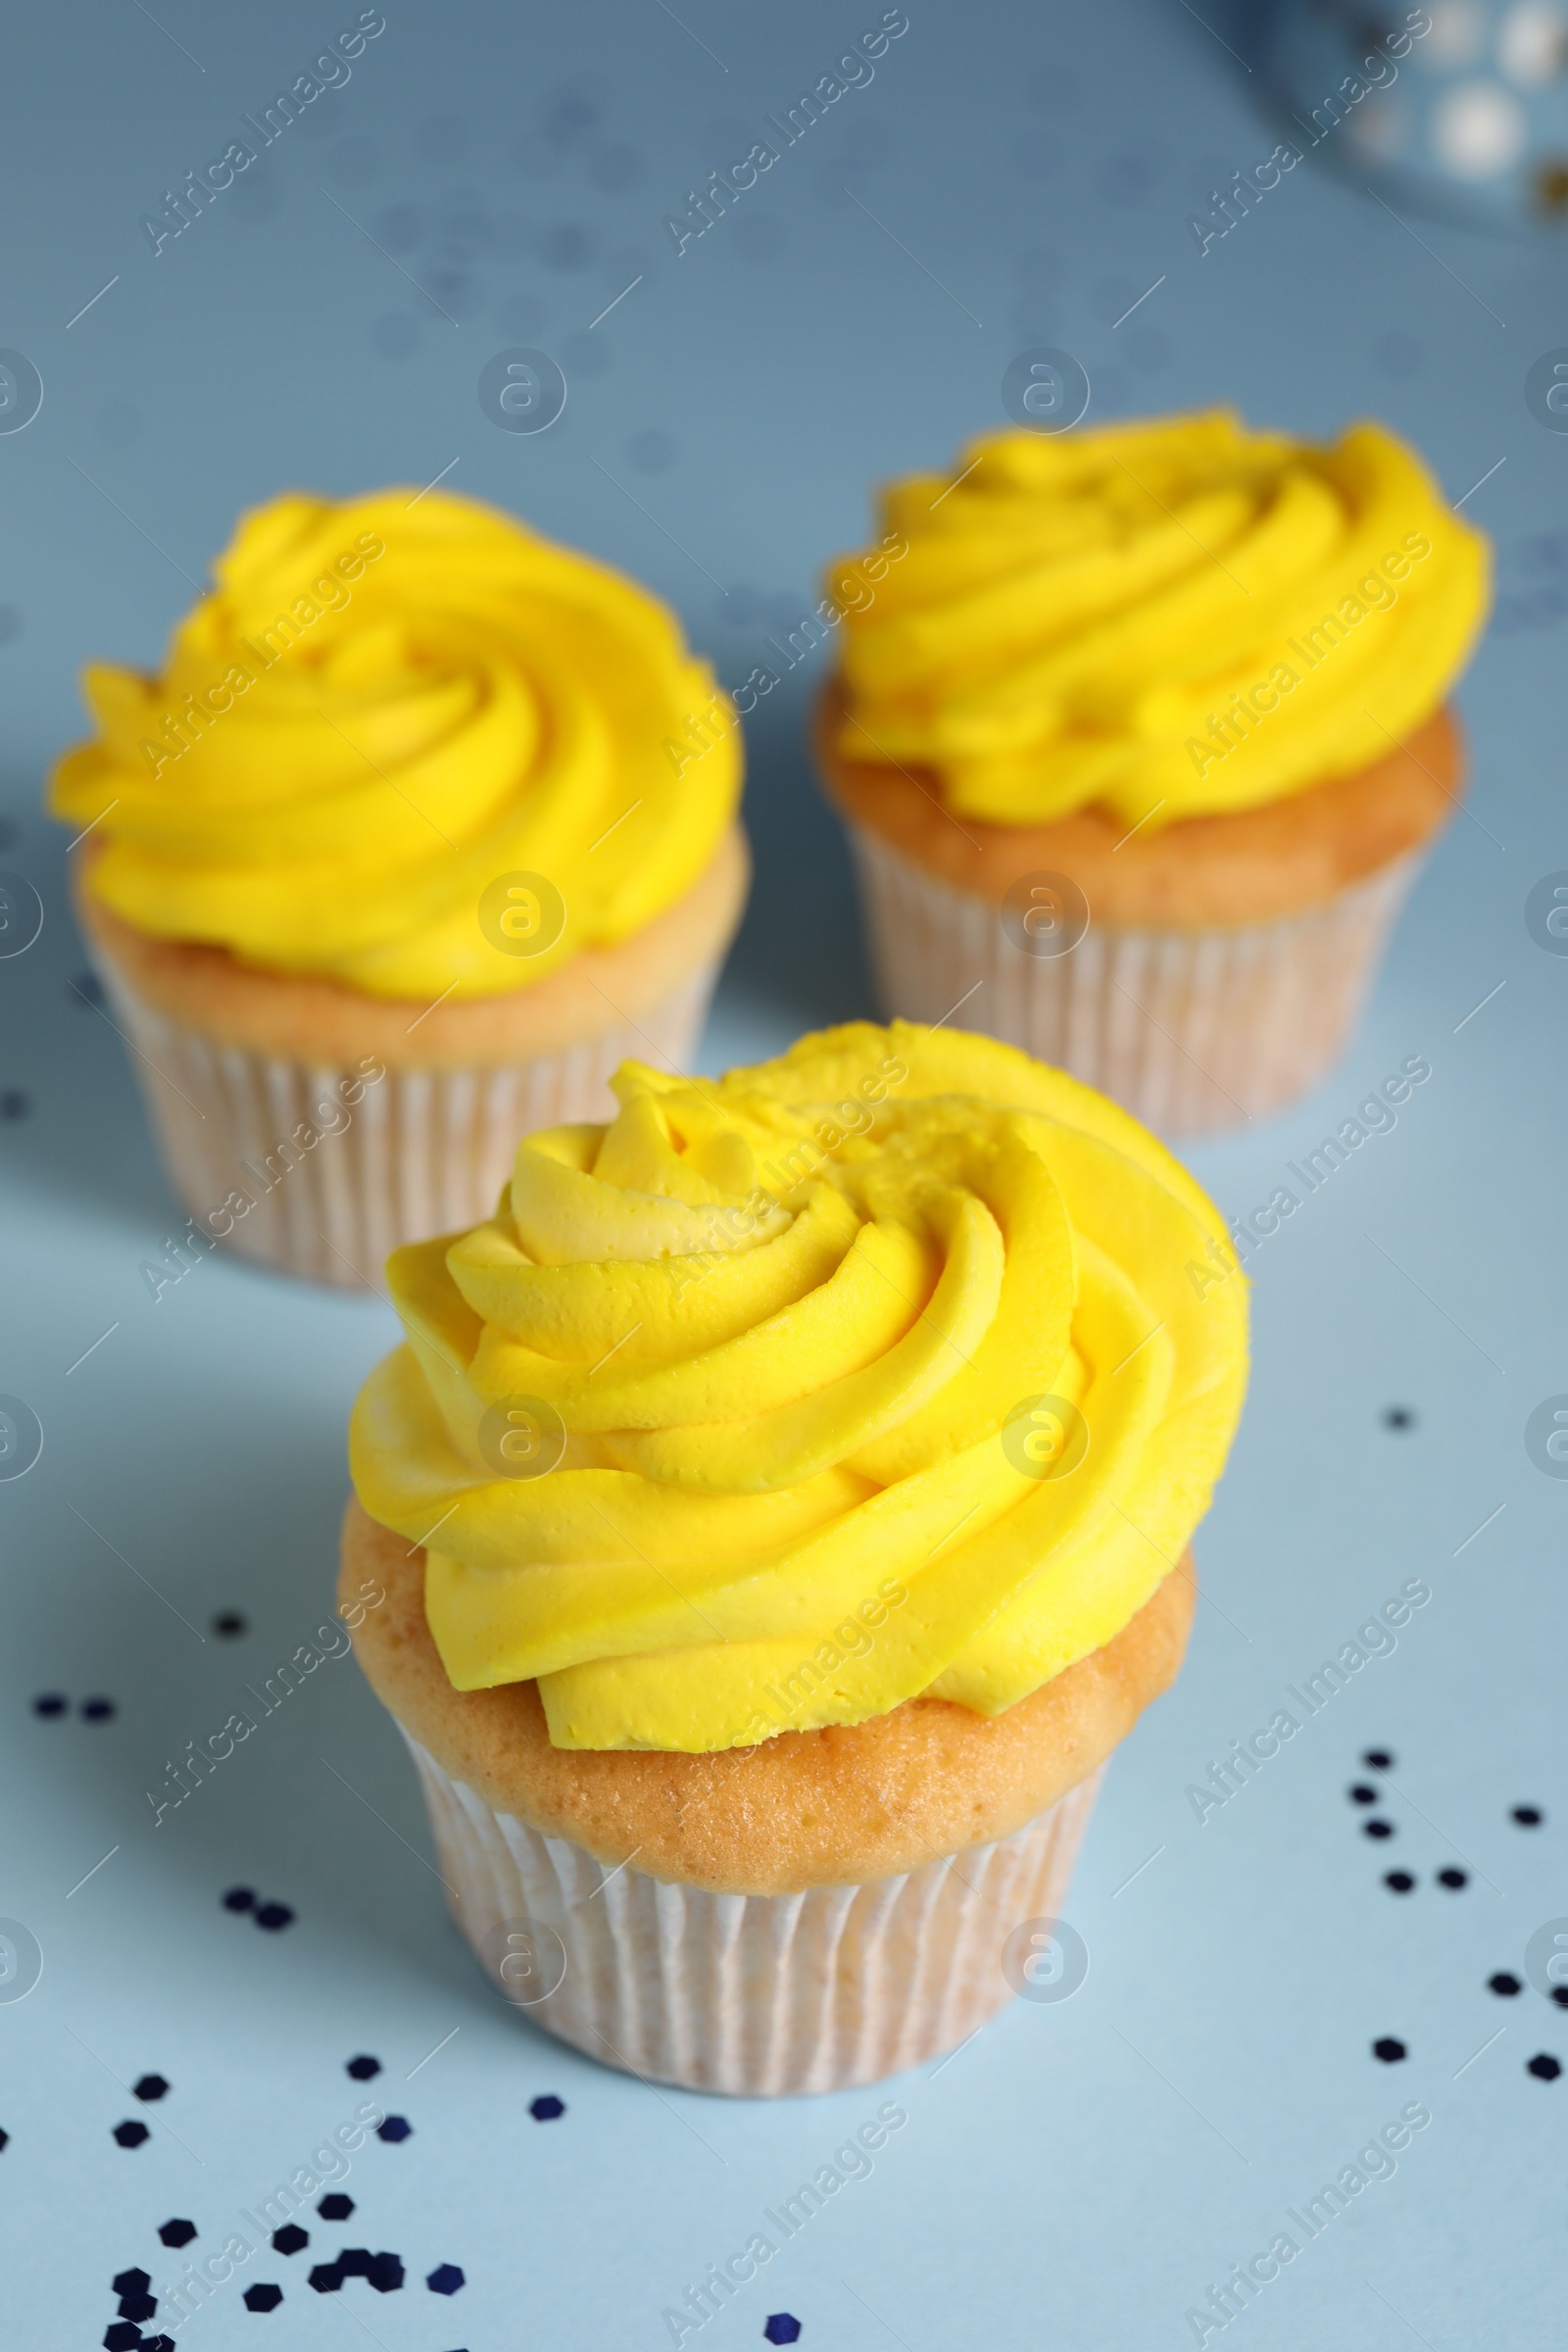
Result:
pixel 1082 2173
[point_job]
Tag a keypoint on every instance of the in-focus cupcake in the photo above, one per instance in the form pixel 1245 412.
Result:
pixel 779 1511
pixel 1140 737
pixel 426 824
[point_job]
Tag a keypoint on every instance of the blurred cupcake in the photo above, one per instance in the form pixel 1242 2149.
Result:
pixel 1140 743
pixel 804 1465
pixel 426 824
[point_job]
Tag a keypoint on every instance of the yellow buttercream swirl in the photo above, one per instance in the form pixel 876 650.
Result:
pixel 385 710
pixel 1164 620
pixel 899 1365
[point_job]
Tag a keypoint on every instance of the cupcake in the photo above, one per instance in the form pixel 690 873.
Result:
pixel 426 824
pixel 1141 736
pixel 778 1512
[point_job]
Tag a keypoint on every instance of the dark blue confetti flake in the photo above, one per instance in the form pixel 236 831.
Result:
pixel 782 2328
pixel 131 2135
pixel 1377 1829
pixel 1398 1881
pixel 240 1898
pixel 120 2335
pixel 50 1703
pixel 355 2262
pixel 385 2272
pixel 178 2233
pixel 137 2307
pixel 98 1710
pixel 290 2238
pixel 1453 1878
pixel 362 2068
pixel 1545 2067
pixel 335 2207
pixel 158 2343
pixel 274 1916
pixel 1388 2050
pixel 230 1624
pixel 131 2282
pixel 1529 1816
pixel 326 2277
pixel 1505 1984
pixel 1377 1760
pixel 264 2296
pixel 545 2110
pixel 152 2087
pixel 5 2140
pixel 394 2127
pixel 445 2279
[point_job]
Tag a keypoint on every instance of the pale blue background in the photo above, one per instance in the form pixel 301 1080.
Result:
pixel 1080 2173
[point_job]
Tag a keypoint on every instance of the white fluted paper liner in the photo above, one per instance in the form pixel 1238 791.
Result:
pixel 1189 1030
pixel 414 1152
pixel 755 1996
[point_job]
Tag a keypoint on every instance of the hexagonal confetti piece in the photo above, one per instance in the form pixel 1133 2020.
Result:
pixel 274 1916
pixel 1398 1881
pixel 1505 1984
pixel 1388 2050
pixel 98 1710
pixel 355 2262
pixel 1545 2067
pixel 782 2328
pixel 52 1702
pixel 131 2282
pixel 394 2127
pixel 545 2110
pixel 445 2279
pixel 363 2069
pixel 335 2207
pixel 122 2336
pixel 240 1898
pixel 138 2306
pixel 1377 1760
pixel 1529 1816
pixel 263 2296
pixel 326 2277
pixel 131 2135
pixel 178 2233
pixel 385 2272
pixel 290 2238
pixel 1452 1878
pixel 158 2343
pixel 1377 1829
pixel 151 2086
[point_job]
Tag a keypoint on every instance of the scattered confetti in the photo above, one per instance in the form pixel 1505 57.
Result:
pixel 1399 1881
pixel 1505 1984
pixel 394 2127
pixel 1529 1816
pixel 1388 2050
pixel 152 2087
pixel 1453 1877
pixel 445 2279
pixel 782 2328
pixel 178 2233
pixel 362 2069
pixel 335 2207
pixel 131 2135
pixel 290 2238
pixel 1377 1759
pixel 546 2108
pixel 1545 2067
pixel 263 2296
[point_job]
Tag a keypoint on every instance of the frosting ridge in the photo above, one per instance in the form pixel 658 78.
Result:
pixel 900 1364
pixel 405 743
pixel 1169 618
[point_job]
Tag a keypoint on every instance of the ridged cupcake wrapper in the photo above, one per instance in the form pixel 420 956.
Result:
pixel 1189 1030
pixel 753 1996
pixel 422 1151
